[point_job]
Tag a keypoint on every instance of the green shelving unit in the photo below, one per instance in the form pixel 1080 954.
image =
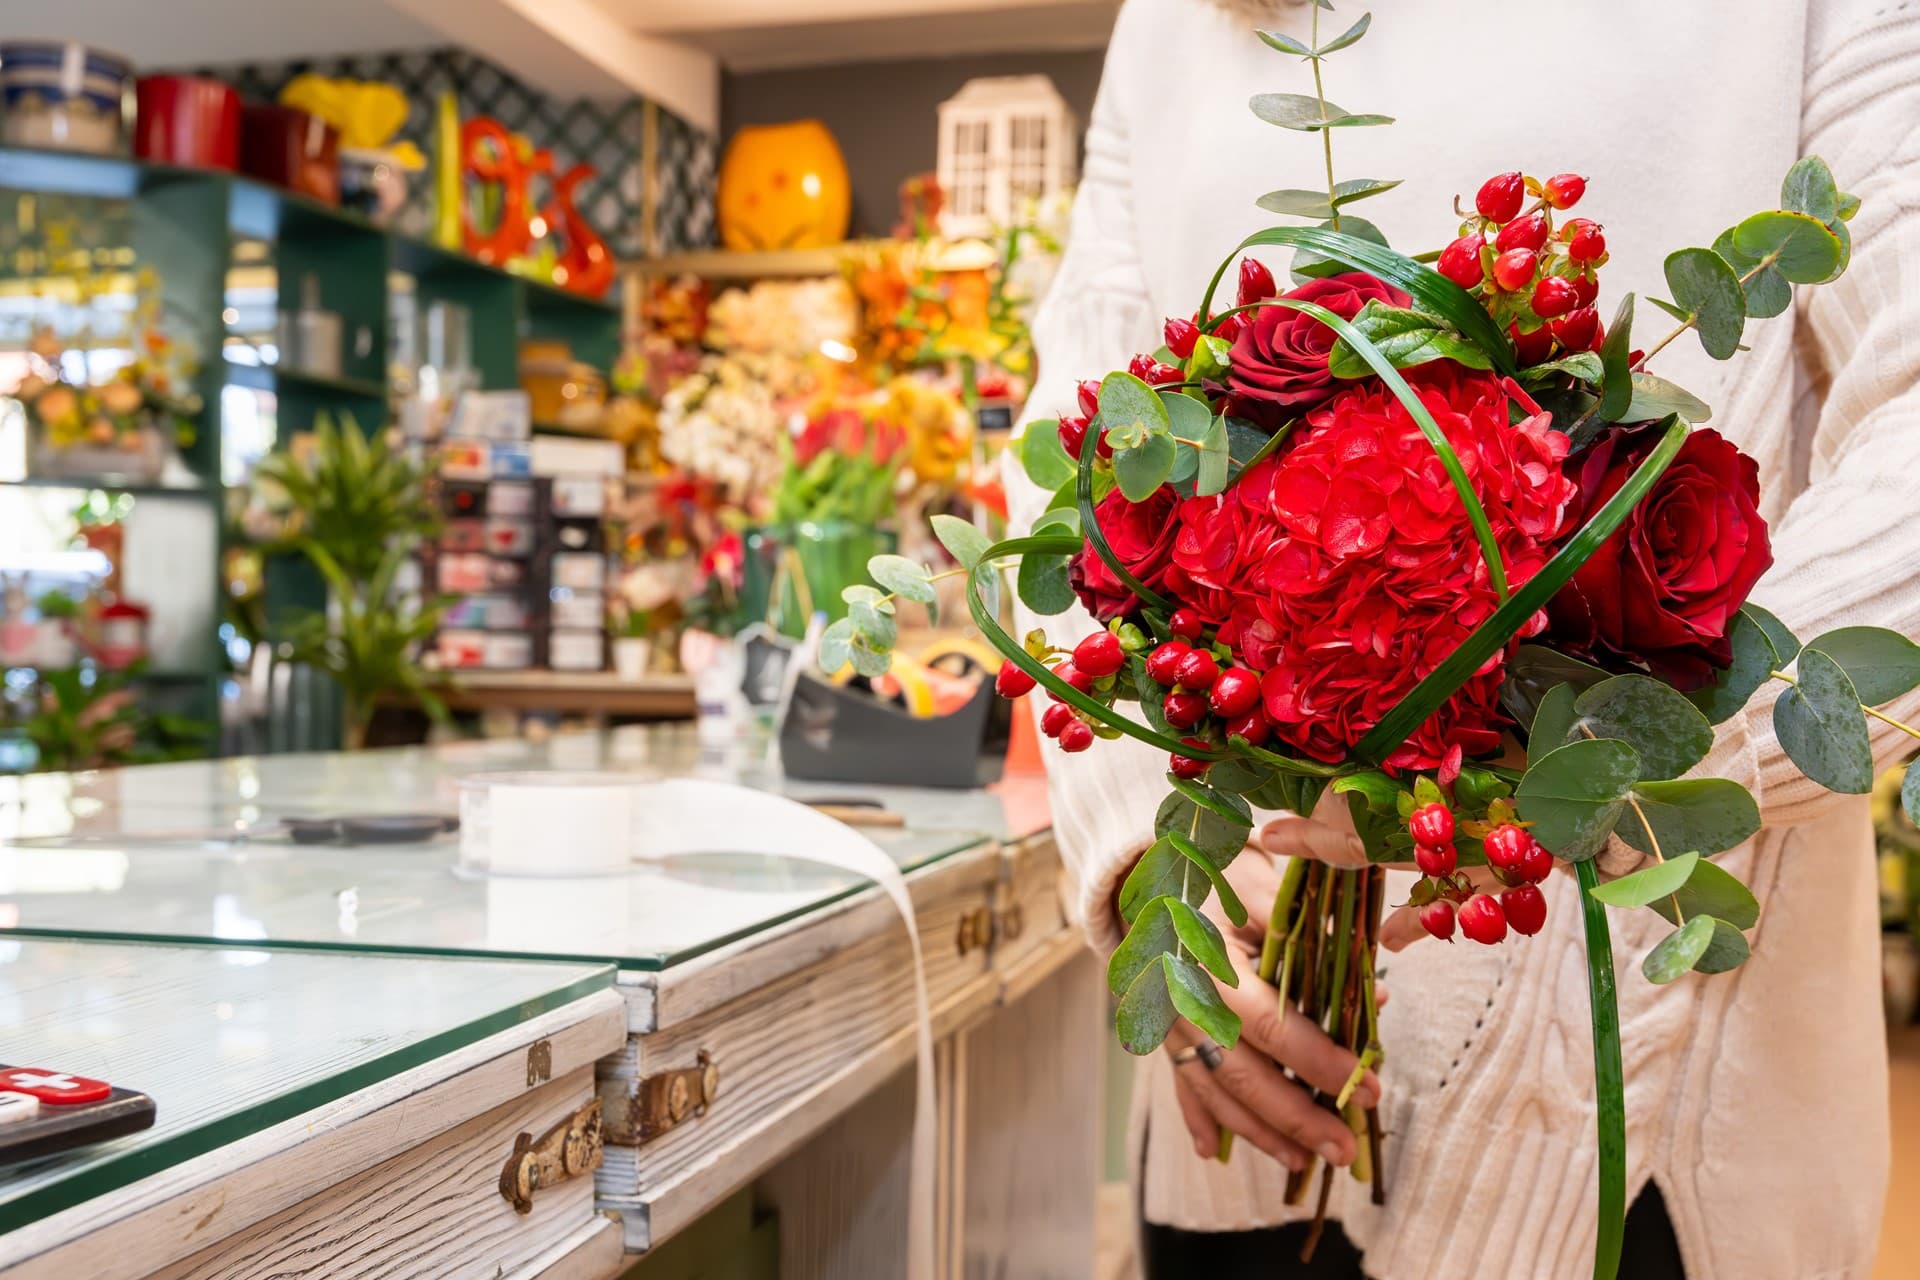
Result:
pixel 186 225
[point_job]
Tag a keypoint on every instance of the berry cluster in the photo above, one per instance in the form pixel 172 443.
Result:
pixel 1093 668
pixel 1541 281
pixel 1205 700
pixel 1445 895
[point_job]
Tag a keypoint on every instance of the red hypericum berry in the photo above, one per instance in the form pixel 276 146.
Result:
pixel 1073 676
pixel 1229 329
pixel 1460 261
pixel 1436 859
pixel 1536 865
pixel 1563 190
pixel 1186 766
pixel 1163 662
pixel 1482 920
pixel 1586 287
pixel 1073 435
pixel 1599 338
pixel 1553 297
pixel 1055 718
pixel 1507 846
pixel 1152 372
pixel 1234 693
pixel 1256 282
pixel 1514 269
pixel 1501 196
pixel 1197 671
pixel 1186 624
pixel 1012 681
pixel 1585 242
pixel 1531 348
pixel 1437 919
pixel 1099 654
pixel 1431 824
pixel 1252 726
pixel 1180 335
pixel 1576 328
pixel 1184 710
pixel 1101 446
pixel 1525 908
pixel 1076 735
pixel 1528 231
pixel 1088 394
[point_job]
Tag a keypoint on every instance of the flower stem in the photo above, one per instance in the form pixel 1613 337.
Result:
pixel 1326 134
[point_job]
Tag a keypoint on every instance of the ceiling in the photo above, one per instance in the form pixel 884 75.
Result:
pixel 931 28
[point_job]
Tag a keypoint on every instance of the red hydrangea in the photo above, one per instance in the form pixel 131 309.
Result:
pixel 1345 568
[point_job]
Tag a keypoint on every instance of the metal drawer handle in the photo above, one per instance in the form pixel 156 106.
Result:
pixel 567 1150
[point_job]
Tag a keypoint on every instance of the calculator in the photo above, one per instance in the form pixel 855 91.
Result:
pixel 44 1111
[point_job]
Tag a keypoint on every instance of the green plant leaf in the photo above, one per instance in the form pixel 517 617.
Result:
pixel 1676 954
pixel 1753 661
pixel 1210 476
pixel 1345 193
pixel 1293 202
pixel 1665 730
pixel 1381 792
pixel 1654 397
pixel 1127 402
pixel 1310 264
pixel 1821 728
pixel 875 626
pixel 1146 1012
pixel 1910 793
pixel 1768 293
pixel 1201 937
pixel 1223 804
pixel 1298 111
pixel 1706 815
pixel 1144 468
pixel 1043 457
pixel 1609 1088
pixel 1845 238
pixel 1151 935
pixel 905 578
pixel 1802 247
pixel 1042 584
pixel 1161 872
pixel 1681 314
pixel 1552 722
pixel 1406 338
pixel 1199 1002
pixel 1649 884
pixel 1229 900
pixel 1583 365
pixel 963 542
pixel 1220 839
pixel 1574 794
pixel 1284 43
pixel 1713 891
pixel 1532 672
pixel 1882 664
pixel 1809 188
pixel 1705 286
pixel 1849 205
pixel 1616 364
pixel 868 661
pixel 1728 950
pixel 1351 35
pixel 1786 645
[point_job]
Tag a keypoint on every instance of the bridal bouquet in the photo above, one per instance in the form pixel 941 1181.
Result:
pixel 1430 537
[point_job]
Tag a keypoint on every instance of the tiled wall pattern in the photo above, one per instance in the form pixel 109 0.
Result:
pixel 603 133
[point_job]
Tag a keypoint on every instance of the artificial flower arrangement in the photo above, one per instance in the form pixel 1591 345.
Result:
pixel 721 424
pixel 150 392
pixel 1362 535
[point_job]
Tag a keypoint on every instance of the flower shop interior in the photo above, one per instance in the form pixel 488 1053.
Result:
pixel 490 656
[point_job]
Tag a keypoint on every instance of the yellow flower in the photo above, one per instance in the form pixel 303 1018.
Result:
pixel 121 398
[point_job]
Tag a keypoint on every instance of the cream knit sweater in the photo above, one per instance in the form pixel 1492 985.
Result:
pixel 1756 1100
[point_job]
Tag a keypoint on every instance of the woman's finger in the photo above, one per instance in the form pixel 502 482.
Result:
pixel 1194 1080
pixel 1402 927
pixel 1292 836
pixel 1289 1037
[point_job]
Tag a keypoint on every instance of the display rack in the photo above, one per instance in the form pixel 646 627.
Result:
pixel 186 223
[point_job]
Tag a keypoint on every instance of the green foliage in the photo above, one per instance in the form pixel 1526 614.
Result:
pixel 1406 338
pixel 82 718
pixel 1649 884
pixel 1043 457
pixel 1213 468
pixel 1802 248
pixel 906 578
pixel 1553 722
pixel 1199 1002
pixel 1043 585
pixel 1820 726
pixel 1768 292
pixel 1677 953
pixel 853 487
pixel 1706 288
pixel 1146 1012
pixel 351 496
pixel 1786 646
pixel 1652 397
pixel 1575 794
pixel 1616 364
pixel 1702 814
pixel 1666 731
pixel 963 542
pixel 1304 113
pixel 1753 662
pixel 1910 792
pixel 1881 664
pixel 1712 890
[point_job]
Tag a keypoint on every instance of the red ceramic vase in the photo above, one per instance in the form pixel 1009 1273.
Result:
pixel 187 120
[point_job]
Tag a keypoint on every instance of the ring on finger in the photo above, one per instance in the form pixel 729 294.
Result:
pixel 1207 1053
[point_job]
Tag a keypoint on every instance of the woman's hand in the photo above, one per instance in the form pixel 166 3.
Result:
pixel 1249 1093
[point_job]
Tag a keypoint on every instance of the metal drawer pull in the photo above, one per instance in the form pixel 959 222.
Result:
pixel 665 1099
pixel 569 1149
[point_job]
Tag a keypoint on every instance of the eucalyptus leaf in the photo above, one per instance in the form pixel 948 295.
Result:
pixel 1299 111
pixel 1649 884
pixel 1532 672
pixel 874 626
pixel 1809 188
pixel 1656 398
pixel 1345 193
pixel 1151 935
pixel 1310 264
pixel 1229 900
pixel 1910 793
pixel 1043 585
pixel 1146 1012
pixel 1706 287
pixel 963 542
pixel 1406 338
pixel 1222 804
pixel 1681 314
pixel 1768 292
pixel 1347 37
pixel 1616 357
pixel 834 645
pixel 1162 871
pixel 1804 249
pixel 1043 457
pixel 1293 202
pixel 1706 815
pixel 868 661
pixel 1786 645
pixel 905 578
pixel 1821 728
pixel 1574 794
pixel 1201 937
pixel 1552 722
pixel 1665 730
pixel 1728 950
pixel 1753 662
pixel 1712 890
pixel 1583 365
pixel 1284 43
pixel 1677 953
pixel 1220 839
pixel 1882 664
pixel 1145 467
pixel 1199 1002
pixel 1127 402
pixel 1849 205
pixel 1211 473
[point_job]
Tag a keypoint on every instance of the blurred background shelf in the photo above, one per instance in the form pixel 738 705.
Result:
pixel 589 693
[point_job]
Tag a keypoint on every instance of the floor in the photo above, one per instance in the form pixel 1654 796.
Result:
pixel 1900 1234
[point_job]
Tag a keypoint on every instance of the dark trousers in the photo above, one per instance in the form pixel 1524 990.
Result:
pixel 1650 1251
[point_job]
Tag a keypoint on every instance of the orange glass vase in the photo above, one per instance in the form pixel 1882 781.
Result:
pixel 783 186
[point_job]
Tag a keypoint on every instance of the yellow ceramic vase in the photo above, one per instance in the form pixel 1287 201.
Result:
pixel 783 186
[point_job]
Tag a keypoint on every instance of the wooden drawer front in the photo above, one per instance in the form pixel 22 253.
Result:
pixel 1028 912
pixel 434 1211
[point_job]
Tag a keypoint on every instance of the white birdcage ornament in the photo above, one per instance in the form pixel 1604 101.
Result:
pixel 1006 143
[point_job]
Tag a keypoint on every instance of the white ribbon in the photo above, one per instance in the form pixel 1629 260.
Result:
pixel 687 817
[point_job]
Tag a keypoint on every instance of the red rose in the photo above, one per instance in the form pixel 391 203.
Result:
pixel 1281 355
pixel 1660 595
pixel 1140 535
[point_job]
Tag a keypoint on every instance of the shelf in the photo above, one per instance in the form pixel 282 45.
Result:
pixel 272 377
pixel 85 484
pixel 79 173
pixel 725 264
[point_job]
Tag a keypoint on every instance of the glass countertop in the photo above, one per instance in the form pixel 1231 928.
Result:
pixel 191 853
pixel 230 1042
